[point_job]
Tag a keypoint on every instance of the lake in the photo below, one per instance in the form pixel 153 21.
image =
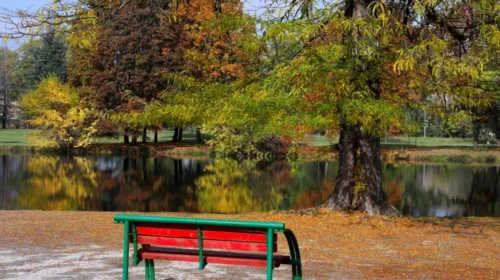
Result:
pixel 227 186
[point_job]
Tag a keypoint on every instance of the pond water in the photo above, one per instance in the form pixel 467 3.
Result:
pixel 226 186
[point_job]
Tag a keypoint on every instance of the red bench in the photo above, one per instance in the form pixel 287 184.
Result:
pixel 206 241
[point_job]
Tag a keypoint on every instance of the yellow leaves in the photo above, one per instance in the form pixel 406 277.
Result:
pixel 84 32
pixel 225 188
pixel 57 184
pixel 403 64
pixel 49 95
pixel 379 10
pixel 55 107
pixel 491 33
pixel 377 7
pixel 47 118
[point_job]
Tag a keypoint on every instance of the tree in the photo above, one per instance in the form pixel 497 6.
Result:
pixel 56 108
pixel 27 62
pixel 39 58
pixel 222 56
pixel 362 62
pixel 128 67
pixel 8 84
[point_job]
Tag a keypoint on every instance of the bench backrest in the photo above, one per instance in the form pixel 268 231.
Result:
pixel 228 235
pixel 224 238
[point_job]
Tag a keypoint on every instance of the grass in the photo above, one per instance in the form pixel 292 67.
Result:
pixel 19 137
pixel 14 137
pixel 318 141
pixel 429 141
pixel 401 142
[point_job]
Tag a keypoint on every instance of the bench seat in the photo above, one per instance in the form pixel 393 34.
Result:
pixel 211 256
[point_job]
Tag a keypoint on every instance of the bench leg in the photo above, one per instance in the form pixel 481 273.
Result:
pixel 294 255
pixel 146 269
pixel 125 250
pixel 270 266
pixel 149 267
pixel 152 269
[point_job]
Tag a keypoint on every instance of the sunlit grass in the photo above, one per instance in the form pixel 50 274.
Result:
pixel 318 140
pixel 19 137
pixel 14 137
pixel 428 142
pixel 321 141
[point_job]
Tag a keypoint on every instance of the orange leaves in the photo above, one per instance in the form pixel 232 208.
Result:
pixel 394 192
pixel 215 38
pixel 312 96
pixel 233 70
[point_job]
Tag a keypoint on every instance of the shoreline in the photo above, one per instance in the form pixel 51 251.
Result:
pixel 419 155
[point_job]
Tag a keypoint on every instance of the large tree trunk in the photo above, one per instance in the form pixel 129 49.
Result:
pixel 156 136
pixel 358 185
pixel 126 140
pixel 373 200
pixel 342 197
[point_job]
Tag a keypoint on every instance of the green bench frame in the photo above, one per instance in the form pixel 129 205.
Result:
pixel 130 236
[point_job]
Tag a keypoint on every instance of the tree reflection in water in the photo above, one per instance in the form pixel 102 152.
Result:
pixel 443 190
pixel 227 186
pixel 57 183
pixel 233 187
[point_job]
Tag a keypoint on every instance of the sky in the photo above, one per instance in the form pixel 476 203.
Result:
pixel 20 5
pixel 35 4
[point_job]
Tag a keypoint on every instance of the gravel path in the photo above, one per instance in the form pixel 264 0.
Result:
pixel 100 263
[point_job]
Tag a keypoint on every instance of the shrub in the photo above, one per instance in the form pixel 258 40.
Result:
pixel 464 158
pixel 274 147
pixel 55 107
pixel 491 159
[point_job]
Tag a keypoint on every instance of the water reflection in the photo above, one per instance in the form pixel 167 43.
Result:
pixel 57 183
pixel 443 190
pixel 226 186
pixel 229 186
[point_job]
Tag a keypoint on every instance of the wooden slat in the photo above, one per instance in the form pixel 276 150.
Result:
pixel 207 234
pixel 207 244
pixel 208 259
pixel 217 257
pixel 156 229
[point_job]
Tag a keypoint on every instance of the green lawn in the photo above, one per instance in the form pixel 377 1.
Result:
pixel 318 141
pixel 18 137
pixel 429 141
pixel 14 137
pixel 396 142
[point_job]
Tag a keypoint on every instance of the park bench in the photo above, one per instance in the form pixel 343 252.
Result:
pixel 248 243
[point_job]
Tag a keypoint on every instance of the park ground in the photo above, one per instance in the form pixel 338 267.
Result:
pixel 87 245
